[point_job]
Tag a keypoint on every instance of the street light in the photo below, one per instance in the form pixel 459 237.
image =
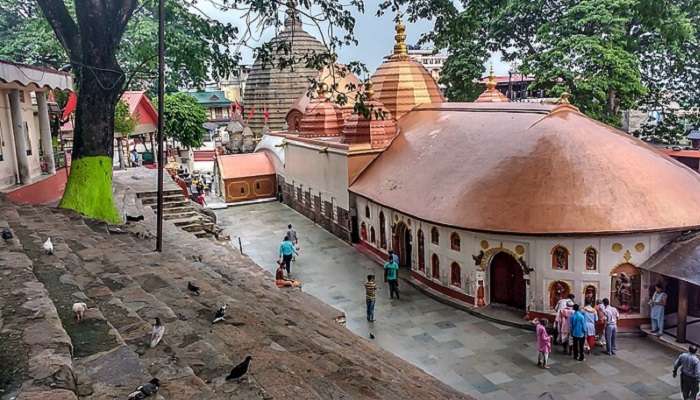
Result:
pixel 161 91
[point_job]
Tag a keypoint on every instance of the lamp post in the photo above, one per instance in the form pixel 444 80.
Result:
pixel 161 91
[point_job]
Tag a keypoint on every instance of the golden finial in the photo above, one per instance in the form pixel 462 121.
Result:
pixel 400 49
pixel 564 99
pixel 491 82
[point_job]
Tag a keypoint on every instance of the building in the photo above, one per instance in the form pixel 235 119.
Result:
pixel 432 60
pixel 490 203
pixel 245 177
pixel 26 141
pixel 218 109
pixel 143 137
pixel 271 91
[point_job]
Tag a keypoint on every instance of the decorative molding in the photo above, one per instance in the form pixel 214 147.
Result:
pixel 616 247
pixel 639 247
pixel 484 244
pixel 627 256
pixel 520 249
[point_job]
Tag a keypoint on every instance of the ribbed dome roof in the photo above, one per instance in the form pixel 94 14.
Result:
pixel 401 83
pixel 529 169
pixel 276 89
pixel 377 130
pixel 322 118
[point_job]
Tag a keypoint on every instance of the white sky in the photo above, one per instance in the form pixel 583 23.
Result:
pixel 374 34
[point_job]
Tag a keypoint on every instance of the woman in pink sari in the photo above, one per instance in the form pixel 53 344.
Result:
pixel 544 344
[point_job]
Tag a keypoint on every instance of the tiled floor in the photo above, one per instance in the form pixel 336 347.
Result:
pixel 478 357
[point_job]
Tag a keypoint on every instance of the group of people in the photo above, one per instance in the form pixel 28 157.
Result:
pixel 578 329
pixel 198 185
pixel 391 277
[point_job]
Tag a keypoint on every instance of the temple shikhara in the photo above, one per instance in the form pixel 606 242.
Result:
pixel 489 202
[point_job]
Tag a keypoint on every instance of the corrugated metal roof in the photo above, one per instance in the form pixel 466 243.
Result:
pixel 679 259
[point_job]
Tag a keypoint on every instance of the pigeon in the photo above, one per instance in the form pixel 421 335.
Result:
pixel 239 370
pixel 145 390
pixel 157 333
pixel 219 316
pixel 192 288
pixel 371 335
pixel 79 311
pixel 48 246
pixel 6 234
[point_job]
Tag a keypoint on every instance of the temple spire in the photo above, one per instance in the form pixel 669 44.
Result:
pixel 400 49
pixel 491 94
pixel 292 19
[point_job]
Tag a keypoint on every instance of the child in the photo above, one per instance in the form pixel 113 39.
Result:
pixel 370 296
pixel 544 344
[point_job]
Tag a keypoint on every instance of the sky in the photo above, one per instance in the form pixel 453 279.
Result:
pixel 374 34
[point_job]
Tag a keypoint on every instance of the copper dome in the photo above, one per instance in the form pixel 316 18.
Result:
pixel 377 130
pixel 529 169
pixel 322 118
pixel 401 83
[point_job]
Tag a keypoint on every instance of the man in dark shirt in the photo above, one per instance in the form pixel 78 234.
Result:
pixel 690 373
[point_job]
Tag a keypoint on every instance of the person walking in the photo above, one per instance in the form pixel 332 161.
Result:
pixel 392 276
pixel 287 251
pixel 544 344
pixel 658 305
pixel 690 373
pixel 611 317
pixel 292 234
pixel 591 318
pixel 370 296
pixel 578 331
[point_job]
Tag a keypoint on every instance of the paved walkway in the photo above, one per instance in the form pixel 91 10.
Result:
pixel 481 358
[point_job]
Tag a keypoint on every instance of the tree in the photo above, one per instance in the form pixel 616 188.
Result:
pixel 111 46
pixel 602 51
pixel 124 124
pixel 184 119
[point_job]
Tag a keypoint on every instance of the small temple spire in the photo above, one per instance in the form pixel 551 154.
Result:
pixel 400 49
pixel 491 94
pixel 292 19
pixel 564 98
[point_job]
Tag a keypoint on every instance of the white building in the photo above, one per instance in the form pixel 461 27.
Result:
pixel 26 151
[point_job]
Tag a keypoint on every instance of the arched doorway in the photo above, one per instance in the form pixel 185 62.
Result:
pixel 507 281
pixel 403 244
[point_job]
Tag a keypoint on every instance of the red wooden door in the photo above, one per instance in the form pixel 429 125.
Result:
pixel 507 281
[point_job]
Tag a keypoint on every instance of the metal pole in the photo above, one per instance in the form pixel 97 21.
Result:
pixel 161 91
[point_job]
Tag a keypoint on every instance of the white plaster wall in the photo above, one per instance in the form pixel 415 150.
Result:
pixel 635 249
pixel 322 172
pixel 7 165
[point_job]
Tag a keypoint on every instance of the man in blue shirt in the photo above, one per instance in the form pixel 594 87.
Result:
pixel 287 251
pixel 578 332
pixel 392 276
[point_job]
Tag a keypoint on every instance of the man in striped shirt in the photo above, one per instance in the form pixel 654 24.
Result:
pixel 370 296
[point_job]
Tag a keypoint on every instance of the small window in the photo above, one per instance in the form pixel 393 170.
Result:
pixel 455 275
pixel 257 185
pixel 435 261
pixel 434 236
pixel 560 258
pixel 21 96
pixel 242 190
pixel 367 214
pixel 421 251
pixel 591 259
pixel 372 238
pixel 382 230
pixel 455 242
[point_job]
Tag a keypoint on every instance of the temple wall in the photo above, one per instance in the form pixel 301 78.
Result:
pixel 31 120
pixel 535 252
pixel 315 184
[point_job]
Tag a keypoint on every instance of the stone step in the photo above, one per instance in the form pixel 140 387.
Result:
pixel 181 215
pixel 173 204
pixel 30 330
pixel 116 296
pixel 166 192
pixel 166 199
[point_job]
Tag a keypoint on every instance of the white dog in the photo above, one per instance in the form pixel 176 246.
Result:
pixel 79 311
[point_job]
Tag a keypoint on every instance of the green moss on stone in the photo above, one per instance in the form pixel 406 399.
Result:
pixel 89 189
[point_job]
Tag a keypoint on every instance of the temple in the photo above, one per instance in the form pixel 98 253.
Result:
pixel 490 202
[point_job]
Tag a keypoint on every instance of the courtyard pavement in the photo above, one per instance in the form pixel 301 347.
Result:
pixel 484 359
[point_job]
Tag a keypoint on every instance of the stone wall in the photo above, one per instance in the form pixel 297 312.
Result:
pixel 331 217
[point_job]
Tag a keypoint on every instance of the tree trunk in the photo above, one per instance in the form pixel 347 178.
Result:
pixel 612 103
pixel 89 187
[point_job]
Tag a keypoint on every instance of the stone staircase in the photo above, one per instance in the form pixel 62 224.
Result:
pixel 181 211
pixel 298 350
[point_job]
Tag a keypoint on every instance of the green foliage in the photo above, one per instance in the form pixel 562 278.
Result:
pixel 669 130
pixel 610 54
pixel 124 123
pixel 184 118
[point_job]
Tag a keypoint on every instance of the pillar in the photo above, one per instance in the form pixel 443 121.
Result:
pixel 19 136
pixel 682 310
pixel 45 131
